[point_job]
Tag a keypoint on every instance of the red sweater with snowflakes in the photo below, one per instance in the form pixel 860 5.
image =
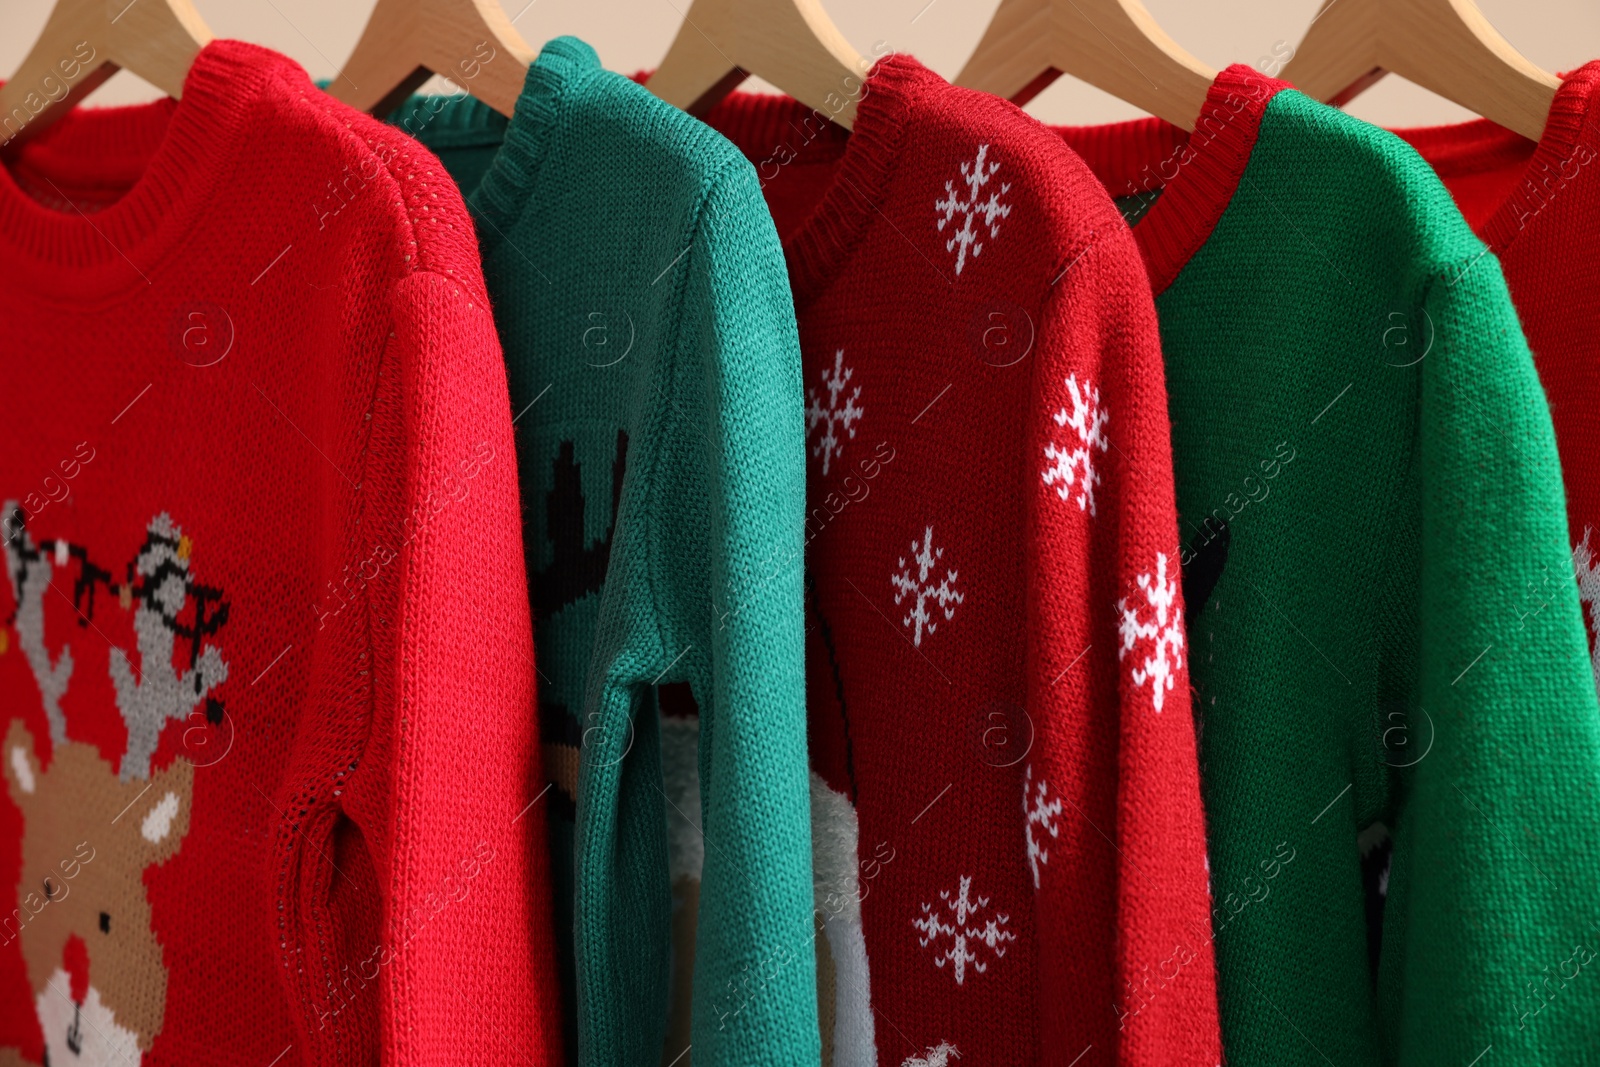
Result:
pixel 269 748
pixel 1005 801
pixel 1537 205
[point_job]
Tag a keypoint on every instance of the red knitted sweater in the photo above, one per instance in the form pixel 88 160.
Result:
pixel 1537 205
pixel 1005 803
pixel 266 664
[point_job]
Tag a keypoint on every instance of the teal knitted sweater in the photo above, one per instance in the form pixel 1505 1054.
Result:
pixel 644 307
pixel 1399 737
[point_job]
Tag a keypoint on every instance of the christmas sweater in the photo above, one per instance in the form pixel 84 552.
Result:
pixel 1005 800
pixel 1537 206
pixel 1390 672
pixel 650 342
pixel 265 656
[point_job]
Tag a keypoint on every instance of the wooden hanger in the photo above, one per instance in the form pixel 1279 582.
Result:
pixel 791 43
pixel 471 42
pixel 84 42
pixel 1112 44
pixel 1443 45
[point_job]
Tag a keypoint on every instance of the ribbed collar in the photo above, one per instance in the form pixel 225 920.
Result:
pixel 762 125
pixel 457 121
pixel 1196 174
pixel 758 123
pixel 172 151
pixel 1472 147
pixel 562 67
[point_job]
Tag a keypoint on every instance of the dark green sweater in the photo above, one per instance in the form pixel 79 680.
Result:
pixel 1391 673
pixel 642 300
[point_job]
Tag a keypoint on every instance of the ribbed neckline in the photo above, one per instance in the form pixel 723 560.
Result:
pixel 1472 147
pixel 176 148
pixel 564 64
pixel 756 122
pixel 456 121
pixel 1196 173
pixel 759 123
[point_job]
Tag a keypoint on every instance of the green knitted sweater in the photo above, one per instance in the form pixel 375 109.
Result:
pixel 1391 672
pixel 644 307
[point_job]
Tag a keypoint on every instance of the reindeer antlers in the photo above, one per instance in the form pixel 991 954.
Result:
pixel 29 572
pixel 160 692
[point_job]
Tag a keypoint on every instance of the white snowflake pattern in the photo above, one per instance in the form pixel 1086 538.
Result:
pixel 831 416
pixel 1039 812
pixel 921 590
pixel 937 1056
pixel 975 176
pixel 1585 569
pixel 1165 631
pixel 962 932
pixel 1075 466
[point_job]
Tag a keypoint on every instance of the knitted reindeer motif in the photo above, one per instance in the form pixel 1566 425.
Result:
pixel 90 831
pixel 160 692
pixel 29 572
pixel 94 963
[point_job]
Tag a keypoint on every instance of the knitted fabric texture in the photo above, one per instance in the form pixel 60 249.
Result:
pixel 1538 206
pixel 266 656
pixel 649 335
pixel 1006 807
pixel 1389 662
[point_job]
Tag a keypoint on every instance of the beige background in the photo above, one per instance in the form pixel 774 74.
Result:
pixel 634 34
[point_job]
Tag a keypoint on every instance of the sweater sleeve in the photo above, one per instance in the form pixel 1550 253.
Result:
pixel 1495 857
pixel 1115 832
pixel 443 794
pixel 689 599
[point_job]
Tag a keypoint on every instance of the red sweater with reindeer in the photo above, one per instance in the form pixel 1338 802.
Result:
pixel 1005 799
pixel 265 665
pixel 1537 205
